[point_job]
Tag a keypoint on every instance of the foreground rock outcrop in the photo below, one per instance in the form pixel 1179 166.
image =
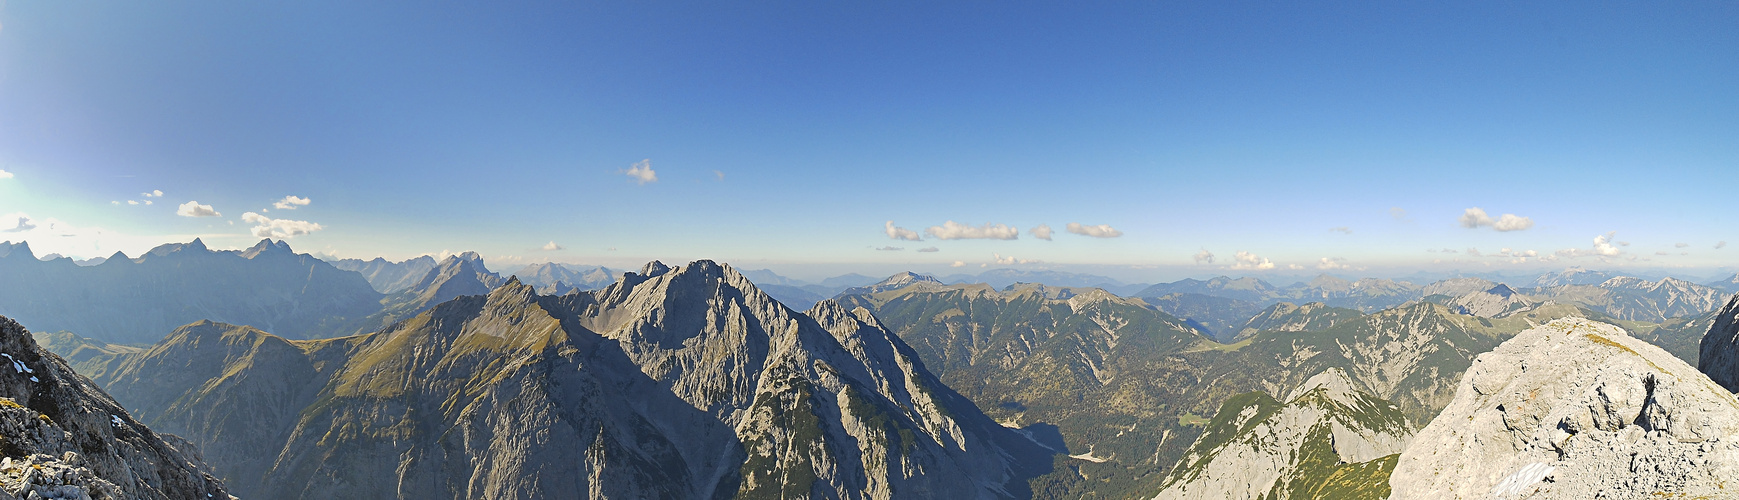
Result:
pixel 61 437
pixel 1577 409
pixel 1328 440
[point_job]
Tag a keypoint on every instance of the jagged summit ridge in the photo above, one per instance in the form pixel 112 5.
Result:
pixel 1719 356
pixel 1576 409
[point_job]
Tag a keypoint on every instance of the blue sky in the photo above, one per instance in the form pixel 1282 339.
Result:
pixel 788 135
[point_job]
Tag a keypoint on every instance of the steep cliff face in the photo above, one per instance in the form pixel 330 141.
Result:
pixel 1327 440
pixel 62 437
pixel 681 382
pixel 1719 353
pixel 1576 409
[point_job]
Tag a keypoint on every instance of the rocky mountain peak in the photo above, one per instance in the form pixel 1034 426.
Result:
pixel 21 249
pixel 1334 382
pixel 1719 354
pixel 653 269
pixel 1575 409
pixel 1501 290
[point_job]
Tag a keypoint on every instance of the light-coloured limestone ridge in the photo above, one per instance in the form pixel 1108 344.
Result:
pixel 1719 355
pixel 1577 409
pixel 1329 440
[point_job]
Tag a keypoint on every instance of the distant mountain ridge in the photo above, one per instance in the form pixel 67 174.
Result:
pixel 388 277
pixel 137 299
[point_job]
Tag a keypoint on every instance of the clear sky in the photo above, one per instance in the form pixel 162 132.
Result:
pixel 789 135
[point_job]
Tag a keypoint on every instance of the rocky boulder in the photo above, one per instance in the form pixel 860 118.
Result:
pixel 1576 409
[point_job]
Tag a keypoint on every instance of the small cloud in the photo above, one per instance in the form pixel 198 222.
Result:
pixel 147 202
pixel 958 264
pixel 1473 252
pixel 1332 263
pixel 1247 260
pixel 720 175
pixel 115 202
pixel 891 249
pixel 1398 213
pixel 956 231
pixel 265 227
pixel 1043 232
pixel 1720 245
pixel 551 247
pixel 1623 243
pixel 194 209
pixel 132 202
pixel 5 175
pixel 1681 245
pixel 24 224
pixel 1294 267
pixel 1603 247
pixel 1099 231
pixel 1341 229
pixel 928 250
pixel 1476 217
pixel 1009 261
pixel 1663 252
pixel 1203 257
pixel 290 203
pixel 900 233
pixel 155 193
pixel 642 172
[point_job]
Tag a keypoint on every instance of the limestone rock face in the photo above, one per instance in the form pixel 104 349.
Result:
pixel 61 437
pixel 1329 435
pixel 1719 357
pixel 1576 409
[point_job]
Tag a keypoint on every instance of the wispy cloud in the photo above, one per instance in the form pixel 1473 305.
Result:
pixel 1720 245
pixel 1332 264
pixel 1043 232
pixel 266 227
pixel 1341 229
pixel 1204 257
pixel 194 209
pixel 956 231
pixel 1476 217
pixel 1400 214
pixel 1681 245
pixel 24 224
pixel 291 202
pixel 719 174
pixel 900 233
pixel 642 172
pixel 928 250
pixel 1099 231
pixel 1249 261
pixel 891 249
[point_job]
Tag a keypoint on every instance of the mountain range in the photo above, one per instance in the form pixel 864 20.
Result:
pixel 683 382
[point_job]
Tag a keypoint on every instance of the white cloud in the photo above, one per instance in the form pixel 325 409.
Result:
pixel 891 249
pixel 194 209
pixel 5 175
pixel 642 172
pixel 1341 229
pixel 132 202
pixel 24 224
pixel 290 203
pixel 1330 264
pixel 1042 232
pixel 155 193
pixel 1204 257
pixel 1294 267
pixel 1247 260
pixel 958 264
pixel 1681 245
pixel 956 231
pixel 1476 217
pixel 551 247
pixel 147 202
pixel 1099 231
pixel 265 227
pixel 1603 247
pixel 1009 261
pixel 928 250
pixel 900 233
